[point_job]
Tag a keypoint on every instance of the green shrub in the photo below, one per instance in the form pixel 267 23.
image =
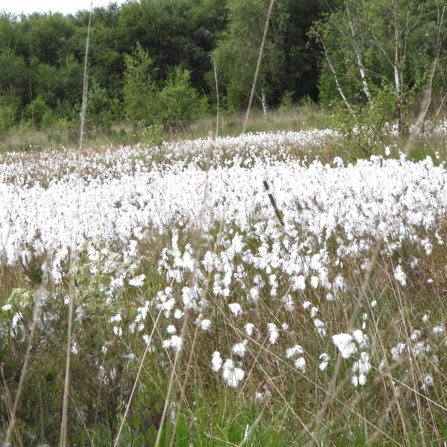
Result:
pixel 174 103
pixel 37 110
pixel 362 126
pixel 98 107
pixel 139 88
pixel 178 101
pixel 9 110
pixel 287 101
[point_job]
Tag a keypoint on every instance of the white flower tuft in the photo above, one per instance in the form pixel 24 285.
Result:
pixel 400 276
pixel 240 348
pixel 205 325
pixel 138 281
pixel 216 362
pixel 231 374
pixel 300 364
pixel 273 332
pixel 345 344
pixel 236 309
pixel 249 328
pixel 296 350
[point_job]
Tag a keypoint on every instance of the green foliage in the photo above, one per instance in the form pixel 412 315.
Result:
pixel 287 101
pixel 99 111
pixel 9 110
pixel 139 88
pixel 238 49
pixel 370 44
pixel 42 56
pixel 178 102
pixel 152 135
pixel 7 117
pixel 13 71
pixel 174 103
pixel 363 126
pixel 38 112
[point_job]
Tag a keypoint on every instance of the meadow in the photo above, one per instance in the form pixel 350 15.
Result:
pixel 203 315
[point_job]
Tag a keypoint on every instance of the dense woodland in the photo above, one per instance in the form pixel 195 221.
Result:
pixel 157 61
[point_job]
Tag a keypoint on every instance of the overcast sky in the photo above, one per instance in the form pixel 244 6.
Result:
pixel 64 6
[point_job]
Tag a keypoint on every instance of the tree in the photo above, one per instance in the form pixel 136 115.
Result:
pixel 172 103
pixel 178 100
pixel 238 48
pixel 139 87
pixel 371 46
pixel 301 68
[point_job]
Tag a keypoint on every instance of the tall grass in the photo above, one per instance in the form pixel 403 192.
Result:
pixel 127 378
pixel 295 118
pixel 119 378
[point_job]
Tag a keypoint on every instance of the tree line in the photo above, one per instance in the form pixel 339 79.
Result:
pixel 161 62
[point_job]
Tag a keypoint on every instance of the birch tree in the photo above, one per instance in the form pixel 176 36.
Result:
pixel 384 46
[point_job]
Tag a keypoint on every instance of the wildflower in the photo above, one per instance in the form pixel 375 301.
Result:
pixel 362 365
pixel 171 329
pixel 148 340
pixel 236 309
pixel 400 276
pixel 414 262
pixel 298 283
pixel 340 283
pixel 300 364
pixel 261 397
pixel 249 327
pixel 240 348
pixel 427 381
pixel 138 281
pixel 324 361
pixel 345 344
pixel 178 314
pixel 320 327
pixel 254 294
pixel 397 351
pixel 205 325
pixel 231 374
pixel 288 303
pixel 362 379
pixel 415 335
pixel 174 342
pixel 216 362
pixel 438 329
pixel 273 332
pixel 297 349
pixel 361 338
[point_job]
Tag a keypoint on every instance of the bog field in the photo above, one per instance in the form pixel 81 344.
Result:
pixel 261 290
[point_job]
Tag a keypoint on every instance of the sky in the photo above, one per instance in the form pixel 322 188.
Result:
pixel 64 6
